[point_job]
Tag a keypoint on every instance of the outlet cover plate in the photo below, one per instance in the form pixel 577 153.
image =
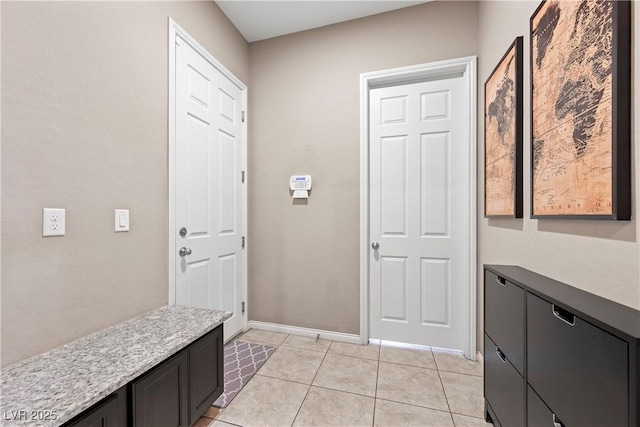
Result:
pixel 53 222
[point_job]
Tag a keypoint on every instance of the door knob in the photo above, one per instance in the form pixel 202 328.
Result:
pixel 375 246
pixel 185 251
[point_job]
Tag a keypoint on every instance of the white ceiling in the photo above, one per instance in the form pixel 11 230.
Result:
pixel 264 19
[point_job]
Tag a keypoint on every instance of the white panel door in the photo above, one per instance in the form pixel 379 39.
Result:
pixel 419 174
pixel 209 251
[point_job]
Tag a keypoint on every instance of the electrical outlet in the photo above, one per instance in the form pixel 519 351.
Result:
pixel 53 222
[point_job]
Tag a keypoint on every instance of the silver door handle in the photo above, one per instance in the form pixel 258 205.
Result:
pixel 563 315
pixel 185 251
pixel 375 246
pixel 557 422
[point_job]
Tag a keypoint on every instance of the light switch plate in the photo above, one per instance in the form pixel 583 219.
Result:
pixel 121 222
pixel 53 222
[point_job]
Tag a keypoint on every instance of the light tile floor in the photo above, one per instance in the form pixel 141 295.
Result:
pixel 329 383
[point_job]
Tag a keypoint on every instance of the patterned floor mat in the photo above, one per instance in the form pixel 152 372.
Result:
pixel 241 361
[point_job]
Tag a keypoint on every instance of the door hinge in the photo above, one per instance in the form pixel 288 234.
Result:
pixel 242 306
pixel 243 116
pixel 242 242
pixel 243 177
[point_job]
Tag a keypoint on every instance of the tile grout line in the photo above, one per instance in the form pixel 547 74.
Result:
pixel 430 351
pixel 416 406
pixel 309 389
pixel 375 397
pixel 460 373
pixel 375 393
pixel 445 393
pixel 457 372
pixel 316 385
pixel 350 355
pixel 364 395
pixel 469 416
pixel 354 357
pixel 343 391
pixel 290 380
pixel 275 346
pixel 226 422
pixel 443 389
pixel 411 366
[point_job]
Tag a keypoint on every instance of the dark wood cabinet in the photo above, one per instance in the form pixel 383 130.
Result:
pixel 109 412
pixel 178 391
pixel 539 414
pixel 159 397
pixel 206 373
pixel 105 415
pixel 576 367
pixel 174 393
pixel 505 325
pixel 579 353
pixel 504 386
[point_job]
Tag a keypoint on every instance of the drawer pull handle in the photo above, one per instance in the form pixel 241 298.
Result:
pixel 501 355
pixel 564 315
pixel 557 422
pixel 501 281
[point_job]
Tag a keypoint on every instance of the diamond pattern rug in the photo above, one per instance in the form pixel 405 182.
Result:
pixel 241 361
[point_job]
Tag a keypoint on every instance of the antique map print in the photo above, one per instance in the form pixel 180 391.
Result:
pixel 571 67
pixel 500 137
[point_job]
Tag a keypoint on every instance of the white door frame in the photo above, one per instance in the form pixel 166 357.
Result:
pixel 461 67
pixel 176 31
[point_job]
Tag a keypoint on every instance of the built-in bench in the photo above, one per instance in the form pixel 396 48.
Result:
pixel 161 365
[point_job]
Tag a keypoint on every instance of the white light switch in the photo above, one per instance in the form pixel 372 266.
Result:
pixel 122 220
pixel 53 222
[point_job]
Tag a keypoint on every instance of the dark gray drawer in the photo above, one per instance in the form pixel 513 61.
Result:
pixel 504 317
pixel 579 370
pixel 538 413
pixel 504 387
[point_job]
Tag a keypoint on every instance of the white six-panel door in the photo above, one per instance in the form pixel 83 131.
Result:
pixel 418 174
pixel 208 188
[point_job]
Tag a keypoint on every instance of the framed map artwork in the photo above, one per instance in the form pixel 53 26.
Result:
pixel 581 110
pixel 503 136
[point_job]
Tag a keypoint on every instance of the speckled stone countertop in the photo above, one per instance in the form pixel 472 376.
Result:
pixel 73 377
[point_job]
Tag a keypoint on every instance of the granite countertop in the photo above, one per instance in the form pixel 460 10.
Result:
pixel 71 378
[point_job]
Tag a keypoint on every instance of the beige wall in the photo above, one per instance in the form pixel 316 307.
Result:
pixel 602 257
pixel 304 118
pixel 84 127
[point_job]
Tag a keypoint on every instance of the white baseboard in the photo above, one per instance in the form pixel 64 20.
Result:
pixel 480 358
pixel 304 332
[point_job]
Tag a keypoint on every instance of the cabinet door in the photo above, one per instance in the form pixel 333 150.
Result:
pixel 206 373
pixel 504 388
pixel 160 396
pixel 103 415
pixel 538 414
pixel 579 370
pixel 504 317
